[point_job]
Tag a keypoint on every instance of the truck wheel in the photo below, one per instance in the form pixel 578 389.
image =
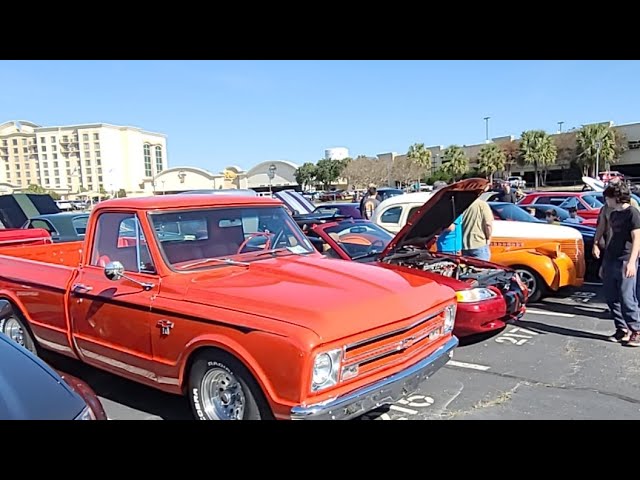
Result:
pixel 14 327
pixel 221 388
pixel 534 283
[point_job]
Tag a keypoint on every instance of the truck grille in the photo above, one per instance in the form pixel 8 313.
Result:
pixel 575 251
pixel 366 356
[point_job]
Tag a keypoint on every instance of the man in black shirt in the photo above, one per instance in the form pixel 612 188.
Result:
pixel 620 264
pixel 507 194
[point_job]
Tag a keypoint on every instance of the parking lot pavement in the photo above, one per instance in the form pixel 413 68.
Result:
pixel 554 364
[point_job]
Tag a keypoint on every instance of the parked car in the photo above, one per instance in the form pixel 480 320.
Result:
pixel 32 390
pixel 488 295
pixel 511 212
pixel 231 320
pixel 546 257
pixel 351 209
pixel 18 236
pixel 587 203
pixel 540 212
pixel 62 227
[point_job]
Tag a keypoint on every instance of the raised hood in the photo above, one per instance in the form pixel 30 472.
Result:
pixel 333 298
pixel 440 211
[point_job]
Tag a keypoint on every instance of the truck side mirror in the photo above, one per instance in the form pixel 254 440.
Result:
pixel 114 270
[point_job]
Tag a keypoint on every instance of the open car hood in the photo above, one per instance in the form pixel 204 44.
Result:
pixel 595 185
pixel 440 211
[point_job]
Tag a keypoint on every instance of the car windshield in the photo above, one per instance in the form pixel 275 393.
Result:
pixel 359 239
pixel 80 224
pixel 591 200
pixel 511 212
pixel 207 238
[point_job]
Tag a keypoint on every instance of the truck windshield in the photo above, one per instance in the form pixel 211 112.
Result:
pixel 187 238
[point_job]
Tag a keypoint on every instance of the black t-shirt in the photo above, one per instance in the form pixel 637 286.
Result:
pixel 622 222
pixel 508 197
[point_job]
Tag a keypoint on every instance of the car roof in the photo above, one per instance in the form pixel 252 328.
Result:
pixel 159 202
pixel 416 197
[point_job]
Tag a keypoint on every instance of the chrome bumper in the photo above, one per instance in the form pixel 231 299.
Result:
pixel 383 392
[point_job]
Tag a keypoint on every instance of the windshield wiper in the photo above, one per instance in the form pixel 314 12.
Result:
pixel 275 251
pixel 226 261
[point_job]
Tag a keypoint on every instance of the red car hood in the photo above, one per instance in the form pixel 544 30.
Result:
pixel 333 298
pixel 440 211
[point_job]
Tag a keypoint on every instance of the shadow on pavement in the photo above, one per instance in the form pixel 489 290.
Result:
pixel 479 337
pixel 576 309
pixel 125 392
pixel 569 332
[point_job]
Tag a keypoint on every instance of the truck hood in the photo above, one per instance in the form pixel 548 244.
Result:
pixel 333 298
pixel 440 211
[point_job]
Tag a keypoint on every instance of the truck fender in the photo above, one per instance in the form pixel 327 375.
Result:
pixel 540 263
pixel 233 348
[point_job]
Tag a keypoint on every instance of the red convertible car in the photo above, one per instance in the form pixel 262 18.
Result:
pixel 489 295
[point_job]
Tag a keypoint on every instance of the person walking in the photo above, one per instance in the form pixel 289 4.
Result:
pixel 366 195
pixel 620 264
pixel 477 228
pixel 370 203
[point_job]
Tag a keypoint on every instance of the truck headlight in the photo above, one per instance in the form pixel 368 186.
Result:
pixel 475 295
pixel 449 317
pixel 326 367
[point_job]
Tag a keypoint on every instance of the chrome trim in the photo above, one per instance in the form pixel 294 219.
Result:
pixel 383 392
pixel 393 332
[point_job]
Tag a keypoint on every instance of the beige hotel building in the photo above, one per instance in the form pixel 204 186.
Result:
pixel 77 159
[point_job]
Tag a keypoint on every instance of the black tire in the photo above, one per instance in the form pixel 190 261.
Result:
pixel 540 287
pixel 8 327
pixel 211 364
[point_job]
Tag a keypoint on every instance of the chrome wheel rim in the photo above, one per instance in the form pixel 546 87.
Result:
pixel 222 395
pixel 529 280
pixel 13 330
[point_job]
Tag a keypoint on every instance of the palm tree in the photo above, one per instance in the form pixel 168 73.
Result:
pixel 491 159
pixel 596 145
pixel 421 156
pixel 537 148
pixel 455 163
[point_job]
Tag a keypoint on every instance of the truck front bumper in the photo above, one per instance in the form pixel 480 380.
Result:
pixel 383 392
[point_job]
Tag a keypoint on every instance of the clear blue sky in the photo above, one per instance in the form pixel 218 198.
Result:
pixel 218 113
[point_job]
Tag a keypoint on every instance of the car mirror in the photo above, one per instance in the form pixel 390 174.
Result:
pixel 114 270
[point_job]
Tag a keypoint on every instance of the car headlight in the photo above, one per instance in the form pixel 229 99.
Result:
pixel 475 295
pixel 449 317
pixel 326 367
pixel 86 414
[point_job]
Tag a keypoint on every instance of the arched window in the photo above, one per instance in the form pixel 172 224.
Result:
pixel 147 161
pixel 158 159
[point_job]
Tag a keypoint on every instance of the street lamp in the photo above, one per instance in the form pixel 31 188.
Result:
pixel 486 121
pixel 560 126
pixel 598 147
pixel 271 173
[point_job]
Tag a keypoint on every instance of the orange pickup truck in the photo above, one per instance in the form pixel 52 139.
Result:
pixel 224 300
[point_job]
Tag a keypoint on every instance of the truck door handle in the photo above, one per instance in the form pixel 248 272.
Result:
pixel 79 287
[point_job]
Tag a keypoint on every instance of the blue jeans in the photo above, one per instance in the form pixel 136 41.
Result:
pixel 482 253
pixel 621 295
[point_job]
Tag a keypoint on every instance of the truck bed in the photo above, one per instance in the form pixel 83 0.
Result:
pixel 35 278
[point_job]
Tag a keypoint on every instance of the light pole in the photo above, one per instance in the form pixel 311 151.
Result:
pixel 598 147
pixel 486 127
pixel 560 126
pixel 271 173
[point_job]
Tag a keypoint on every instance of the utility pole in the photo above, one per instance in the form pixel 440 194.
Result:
pixel 598 147
pixel 560 126
pixel 486 122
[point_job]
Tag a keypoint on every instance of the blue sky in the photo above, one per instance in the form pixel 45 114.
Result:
pixel 219 113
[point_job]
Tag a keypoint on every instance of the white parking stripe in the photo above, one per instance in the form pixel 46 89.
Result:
pixel 403 410
pixel 473 366
pixel 551 314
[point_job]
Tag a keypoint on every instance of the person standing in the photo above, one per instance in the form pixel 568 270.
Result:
pixel 370 203
pixel 573 215
pixel 620 264
pixel 477 228
pixel 450 239
pixel 506 194
pixel 367 194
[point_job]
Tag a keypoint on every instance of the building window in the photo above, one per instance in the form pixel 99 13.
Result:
pixel 65 139
pixel 54 148
pixel 43 140
pixel 24 141
pixel 147 160
pixel 56 173
pixel 85 137
pixel 4 143
pixel 45 165
pixel 44 148
pixel 86 146
pixel 158 159
pixel 53 139
pixel 96 136
pixel 15 151
pixel 55 155
pixel 15 141
pixel 25 150
pixel 44 157
pixel 96 145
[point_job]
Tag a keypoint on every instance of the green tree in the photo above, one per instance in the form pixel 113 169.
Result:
pixel 455 163
pixel 596 147
pixel 306 174
pixel 33 188
pixel 537 149
pixel 491 159
pixel 511 150
pixel 328 171
pixel 420 155
pixel 121 193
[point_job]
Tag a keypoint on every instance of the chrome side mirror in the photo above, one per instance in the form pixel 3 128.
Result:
pixel 114 271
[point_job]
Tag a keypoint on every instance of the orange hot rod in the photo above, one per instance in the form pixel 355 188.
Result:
pixel 224 299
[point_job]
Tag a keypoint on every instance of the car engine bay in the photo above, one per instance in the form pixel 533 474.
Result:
pixel 454 268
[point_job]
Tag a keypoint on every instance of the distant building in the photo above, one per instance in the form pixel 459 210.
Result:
pixel 336 153
pixel 85 158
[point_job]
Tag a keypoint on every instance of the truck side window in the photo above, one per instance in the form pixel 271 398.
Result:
pixel 119 237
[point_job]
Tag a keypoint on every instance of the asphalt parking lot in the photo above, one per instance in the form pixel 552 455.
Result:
pixel 554 364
